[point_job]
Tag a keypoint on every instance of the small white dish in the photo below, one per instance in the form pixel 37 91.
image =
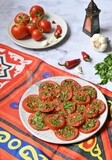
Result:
pixel 32 44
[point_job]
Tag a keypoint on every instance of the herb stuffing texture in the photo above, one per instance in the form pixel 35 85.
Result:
pixel 104 70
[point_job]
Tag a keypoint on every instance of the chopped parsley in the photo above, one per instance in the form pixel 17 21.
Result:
pixel 104 70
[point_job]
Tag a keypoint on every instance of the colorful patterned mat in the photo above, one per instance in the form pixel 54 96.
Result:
pixel 18 71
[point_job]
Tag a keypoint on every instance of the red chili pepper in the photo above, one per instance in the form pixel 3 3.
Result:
pixel 58 31
pixel 71 64
pixel 86 57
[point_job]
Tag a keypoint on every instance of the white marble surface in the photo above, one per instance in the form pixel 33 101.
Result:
pixel 73 12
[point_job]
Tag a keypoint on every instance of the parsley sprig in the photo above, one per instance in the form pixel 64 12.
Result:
pixel 104 70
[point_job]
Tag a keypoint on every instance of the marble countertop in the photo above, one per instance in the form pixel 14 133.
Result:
pixel 73 12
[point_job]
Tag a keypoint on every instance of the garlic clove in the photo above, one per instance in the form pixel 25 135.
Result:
pixel 104 46
pixel 44 43
pixel 51 40
pixel 95 37
pixel 102 39
pixel 97 44
pixel 79 69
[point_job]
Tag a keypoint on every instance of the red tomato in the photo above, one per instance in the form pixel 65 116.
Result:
pixel 91 111
pixel 37 121
pixel 48 90
pixel 75 119
pixel 55 121
pixel 80 108
pixel 65 93
pixel 45 25
pixel 31 27
pixel 99 104
pixel 35 20
pixel 19 31
pixel 46 94
pixel 36 11
pixel 67 133
pixel 90 125
pixel 62 113
pixel 81 98
pixel 30 103
pixel 70 82
pixel 49 85
pixel 45 106
pixel 68 107
pixel 57 104
pixel 22 18
pixel 89 90
pixel 37 35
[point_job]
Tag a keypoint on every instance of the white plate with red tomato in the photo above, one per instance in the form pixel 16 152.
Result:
pixel 37 29
pixel 74 110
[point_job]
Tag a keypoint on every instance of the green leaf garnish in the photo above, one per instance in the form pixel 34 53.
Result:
pixel 104 70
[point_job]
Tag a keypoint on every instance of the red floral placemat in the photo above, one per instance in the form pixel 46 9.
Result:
pixel 18 71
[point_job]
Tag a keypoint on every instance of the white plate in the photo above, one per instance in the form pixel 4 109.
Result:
pixel 32 44
pixel 49 135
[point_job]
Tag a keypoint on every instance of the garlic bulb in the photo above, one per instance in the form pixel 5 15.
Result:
pixel 99 42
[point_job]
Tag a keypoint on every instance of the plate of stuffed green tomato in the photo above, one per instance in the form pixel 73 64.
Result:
pixel 63 110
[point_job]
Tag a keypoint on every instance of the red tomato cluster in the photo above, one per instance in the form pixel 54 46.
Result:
pixel 33 24
pixel 67 108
